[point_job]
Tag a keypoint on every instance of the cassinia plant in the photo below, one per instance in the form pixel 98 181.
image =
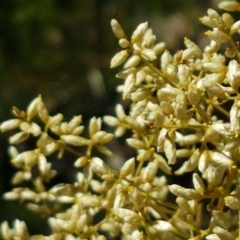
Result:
pixel 184 114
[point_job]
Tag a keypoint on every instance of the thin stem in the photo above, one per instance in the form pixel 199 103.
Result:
pixel 139 168
pixel 158 72
pixel 222 110
pixel 199 215
pixel 234 47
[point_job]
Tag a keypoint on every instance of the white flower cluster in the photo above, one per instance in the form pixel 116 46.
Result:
pixel 184 117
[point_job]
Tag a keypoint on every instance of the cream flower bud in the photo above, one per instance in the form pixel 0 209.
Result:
pixel 217 36
pixel 166 108
pixel 134 124
pixel 206 20
pixel 125 72
pixel 223 219
pixel 181 106
pixel 55 120
pixel 11 195
pixel 161 139
pixel 194 94
pixel 189 139
pixel 75 140
pixel 10 124
pixel 127 168
pixel 198 183
pixel 186 205
pixel 43 112
pixel 151 171
pixel 135 143
pixel 89 201
pixel 163 226
pixel 123 42
pixel 170 150
pixel 235 27
pixel 233 74
pixel 129 85
pixel 133 61
pixel 32 109
pixel 120 112
pixel 232 202
pixel 127 215
pixel 220 159
pixel 42 163
pixel 145 154
pixel 188 53
pixel 228 20
pixel 98 166
pixel 234 119
pixel 117 29
pixel 74 122
pixel 63 190
pixel 149 38
pixel 212 14
pixel 191 45
pixel 20 176
pixel 102 137
pixel 140 95
pixel 184 192
pixel 119 131
pixel 138 108
pixel 111 121
pixel 21 229
pixel 223 233
pixel 204 161
pixel 214 174
pixel 49 148
pixel 137 197
pixel 163 164
pixel 28 194
pixel 159 48
pixel 119 58
pixel 232 144
pixel 80 162
pixel 214 67
pixel 18 137
pixel 81 222
pixel 137 235
pixel 148 54
pixel 166 59
pixel 139 32
pixel 6 231
pixel 77 130
pixel 230 6
pixel 213 237
pixel 94 125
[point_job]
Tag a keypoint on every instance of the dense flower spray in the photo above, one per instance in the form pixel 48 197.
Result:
pixel 184 116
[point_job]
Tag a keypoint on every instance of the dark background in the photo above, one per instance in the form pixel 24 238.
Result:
pixel 62 49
